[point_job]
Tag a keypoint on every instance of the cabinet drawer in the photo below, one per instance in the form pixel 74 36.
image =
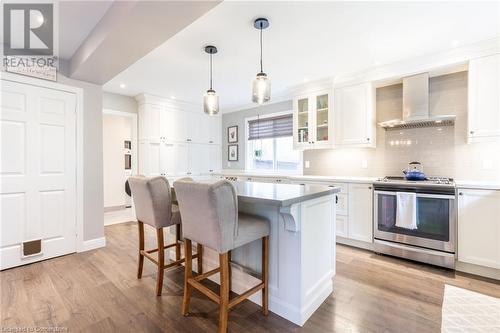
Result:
pixel 341 226
pixel 342 203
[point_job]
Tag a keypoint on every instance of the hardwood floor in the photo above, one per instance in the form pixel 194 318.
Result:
pixel 98 291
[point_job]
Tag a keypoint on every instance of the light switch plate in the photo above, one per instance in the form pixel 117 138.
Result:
pixel 306 164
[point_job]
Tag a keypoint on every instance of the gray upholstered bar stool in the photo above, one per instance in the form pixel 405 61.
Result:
pixel 210 217
pixel 153 205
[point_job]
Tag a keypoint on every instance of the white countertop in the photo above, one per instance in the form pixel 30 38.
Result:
pixel 477 184
pixel 345 179
pixel 282 195
pixel 472 184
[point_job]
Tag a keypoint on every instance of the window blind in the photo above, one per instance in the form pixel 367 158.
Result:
pixel 272 127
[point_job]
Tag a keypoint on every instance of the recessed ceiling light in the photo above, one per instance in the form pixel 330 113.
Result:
pixel 376 63
pixel 305 79
pixel 172 97
pixel 455 43
pixel 123 85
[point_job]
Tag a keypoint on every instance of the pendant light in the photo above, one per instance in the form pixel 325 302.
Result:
pixel 211 99
pixel 261 87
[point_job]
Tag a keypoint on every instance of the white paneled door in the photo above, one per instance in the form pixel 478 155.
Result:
pixel 37 173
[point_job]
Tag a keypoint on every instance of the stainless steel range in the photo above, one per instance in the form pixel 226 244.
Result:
pixel 431 235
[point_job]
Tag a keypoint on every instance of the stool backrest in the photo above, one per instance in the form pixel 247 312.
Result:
pixel 152 200
pixel 209 213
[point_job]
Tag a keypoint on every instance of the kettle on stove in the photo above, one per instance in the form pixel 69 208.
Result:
pixel 415 171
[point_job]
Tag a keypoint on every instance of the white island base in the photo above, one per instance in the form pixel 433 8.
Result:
pixel 302 254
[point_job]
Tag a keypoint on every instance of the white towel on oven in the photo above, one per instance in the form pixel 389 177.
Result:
pixel 406 213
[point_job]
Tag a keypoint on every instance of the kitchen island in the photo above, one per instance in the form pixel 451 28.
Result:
pixel 301 244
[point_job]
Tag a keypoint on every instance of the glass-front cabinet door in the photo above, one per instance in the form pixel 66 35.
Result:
pixel 302 121
pixel 322 121
pixel 313 121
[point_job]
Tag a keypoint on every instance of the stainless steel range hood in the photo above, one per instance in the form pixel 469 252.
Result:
pixel 416 111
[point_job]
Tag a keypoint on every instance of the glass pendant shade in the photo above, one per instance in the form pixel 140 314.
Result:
pixel 261 89
pixel 211 102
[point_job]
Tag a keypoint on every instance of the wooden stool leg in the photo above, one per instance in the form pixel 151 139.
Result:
pixel 199 250
pixel 265 275
pixel 141 247
pixel 230 271
pixel 224 292
pixel 161 261
pixel 177 244
pixel 188 273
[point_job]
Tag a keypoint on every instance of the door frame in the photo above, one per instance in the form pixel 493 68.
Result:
pixel 134 133
pixel 80 243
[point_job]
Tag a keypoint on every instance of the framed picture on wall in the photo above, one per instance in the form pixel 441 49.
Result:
pixel 232 134
pixel 232 153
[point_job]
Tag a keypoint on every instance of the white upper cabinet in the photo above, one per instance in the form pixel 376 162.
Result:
pixel 214 135
pixel 484 98
pixel 479 227
pixel 313 121
pixel 355 116
pixel 177 140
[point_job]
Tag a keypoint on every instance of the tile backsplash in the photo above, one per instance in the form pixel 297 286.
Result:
pixel 443 151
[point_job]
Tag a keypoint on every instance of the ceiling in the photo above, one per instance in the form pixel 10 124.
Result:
pixel 76 21
pixel 305 41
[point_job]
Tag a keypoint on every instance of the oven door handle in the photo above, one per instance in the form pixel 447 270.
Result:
pixel 419 195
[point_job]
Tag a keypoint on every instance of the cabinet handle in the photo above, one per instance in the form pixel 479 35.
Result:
pixel 471 132
pixel 369 187
pixel 367 139
pixel 461 193
pixel 336 199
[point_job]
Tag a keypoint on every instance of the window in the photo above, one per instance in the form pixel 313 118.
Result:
pixel 270 145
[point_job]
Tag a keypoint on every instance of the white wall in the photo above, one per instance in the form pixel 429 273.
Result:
pixel 118 102
pixel 93 218
pixel 116 129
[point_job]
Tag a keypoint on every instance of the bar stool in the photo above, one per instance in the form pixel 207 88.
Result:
pixel 153 205
pixel 210 217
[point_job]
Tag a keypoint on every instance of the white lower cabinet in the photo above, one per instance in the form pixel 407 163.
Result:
pixel 479 227
pixel 361 212
pixel 342 222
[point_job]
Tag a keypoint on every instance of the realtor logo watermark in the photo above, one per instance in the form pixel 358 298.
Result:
pixel 28 30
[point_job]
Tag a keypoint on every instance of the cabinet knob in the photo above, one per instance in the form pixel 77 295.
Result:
pixel 367 139
pixel 369 187
pixel 471 132
pixel 461 193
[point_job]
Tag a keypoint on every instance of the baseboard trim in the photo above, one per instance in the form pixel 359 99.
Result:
pixel 93 244
pixel 487 272
pixel 355 243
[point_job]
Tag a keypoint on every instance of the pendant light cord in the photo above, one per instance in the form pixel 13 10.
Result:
pixel 210 70
pixel 261 70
